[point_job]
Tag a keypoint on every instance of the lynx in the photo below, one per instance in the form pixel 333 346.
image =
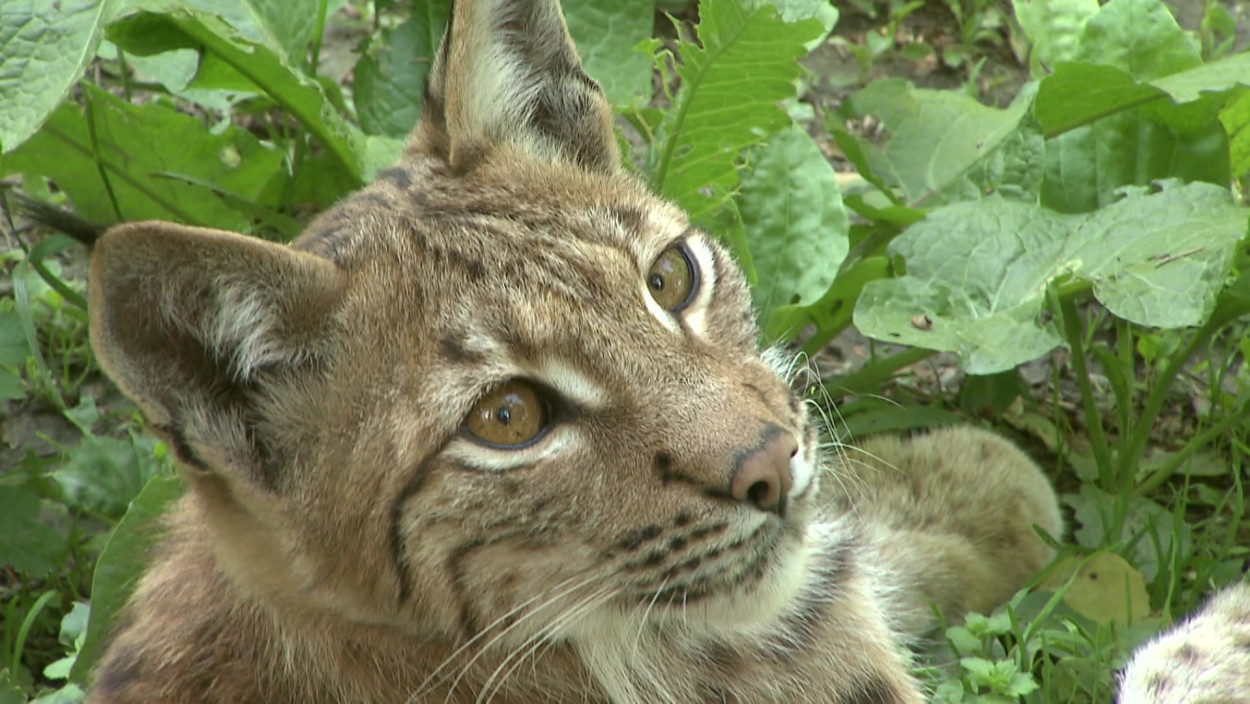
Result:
pixel 496 428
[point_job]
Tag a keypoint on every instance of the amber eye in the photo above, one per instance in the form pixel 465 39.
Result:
pixel 512 415
pixel 672 279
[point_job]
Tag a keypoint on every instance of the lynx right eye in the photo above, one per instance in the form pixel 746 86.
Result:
pixel 512 416
pixel 673 278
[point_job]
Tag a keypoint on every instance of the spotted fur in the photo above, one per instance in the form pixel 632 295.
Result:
pixel 1205 660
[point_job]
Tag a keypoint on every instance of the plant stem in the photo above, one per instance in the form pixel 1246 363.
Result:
pixel 315 62
pixel 22 632
pixel 97 157
pixel 877 372
pixel 1135 446
pixel 1162 474
pixel 1097 436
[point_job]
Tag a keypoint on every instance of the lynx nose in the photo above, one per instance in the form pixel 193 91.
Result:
pixel 762 475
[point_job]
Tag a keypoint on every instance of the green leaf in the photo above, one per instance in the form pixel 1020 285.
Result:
pixel 121 563
pixel 607 34
pixel 1079 93
pixel 27 545
pixel 133 145
pixel 10 693
pixel 1139 36
pixel 978 150
pixel 1021 683
pixel 732 78
pixel 795 223
pixel 101 474
pixel 265 70
pixel 283 25
pixel 11 387
pixel 389 79
pixel 982 670
pixel 1236 120
pixel 1086 167
pixel 1134 57
pixel 69 694
pixel 1150 527
pixel 73 634
pixel 74 624
pixel 13 347
pixel 978 273
pixel 1217 76
pixel 46 48
pixel 1054 26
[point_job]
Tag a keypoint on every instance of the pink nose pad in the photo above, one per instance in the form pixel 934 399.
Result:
pixel 763 476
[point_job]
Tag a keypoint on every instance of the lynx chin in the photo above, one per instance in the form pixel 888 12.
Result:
pixel 496 428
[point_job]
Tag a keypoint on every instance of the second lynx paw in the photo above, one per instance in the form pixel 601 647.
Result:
pixel 1205 660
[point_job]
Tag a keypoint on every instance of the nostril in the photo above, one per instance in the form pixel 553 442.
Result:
pixel 762 475
pixel 762 495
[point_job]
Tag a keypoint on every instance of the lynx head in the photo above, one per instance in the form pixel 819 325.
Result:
pixel 504 387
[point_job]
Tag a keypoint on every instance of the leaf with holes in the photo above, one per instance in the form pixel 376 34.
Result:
pixel 977 273
pixel 137 148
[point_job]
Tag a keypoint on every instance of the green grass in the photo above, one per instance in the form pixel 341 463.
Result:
pixel 1141 411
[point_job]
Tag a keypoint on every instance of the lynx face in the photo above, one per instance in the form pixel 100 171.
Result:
pixel 565 388
pixel 503 390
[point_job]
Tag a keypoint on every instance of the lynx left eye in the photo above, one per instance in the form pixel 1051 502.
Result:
pixel 511 416
pixel 673 278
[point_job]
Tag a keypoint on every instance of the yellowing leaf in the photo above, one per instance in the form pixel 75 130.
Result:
pixel 1107 588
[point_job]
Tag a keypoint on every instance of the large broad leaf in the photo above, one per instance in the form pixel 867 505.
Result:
pixel 732 78
pixel 27 545
pixel 1086 165
pixel 606 34
pixel 1236 120
pixel 1079 93
pixel 979 149
pixel 795 223
pixel 1140 36
pixel 1054 26
pixel 140 150
pixel 124 558
pixel 977 273
pixel 389 79
pixel 284 26
pixel 252 66
pixel 46 47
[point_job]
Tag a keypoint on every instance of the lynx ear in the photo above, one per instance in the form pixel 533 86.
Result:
pixel 508 73
pixel 191 322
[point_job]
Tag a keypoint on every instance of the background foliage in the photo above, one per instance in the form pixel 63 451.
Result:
pixel 1094 219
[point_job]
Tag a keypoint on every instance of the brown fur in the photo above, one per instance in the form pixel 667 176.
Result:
pixel 344 540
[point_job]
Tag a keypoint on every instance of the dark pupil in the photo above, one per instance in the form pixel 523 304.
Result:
pixel 657 282
pixel 503 414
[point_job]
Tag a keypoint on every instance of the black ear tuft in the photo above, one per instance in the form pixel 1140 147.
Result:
pixel 54 218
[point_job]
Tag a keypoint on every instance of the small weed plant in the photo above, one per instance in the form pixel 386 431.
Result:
pixel 1096 223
